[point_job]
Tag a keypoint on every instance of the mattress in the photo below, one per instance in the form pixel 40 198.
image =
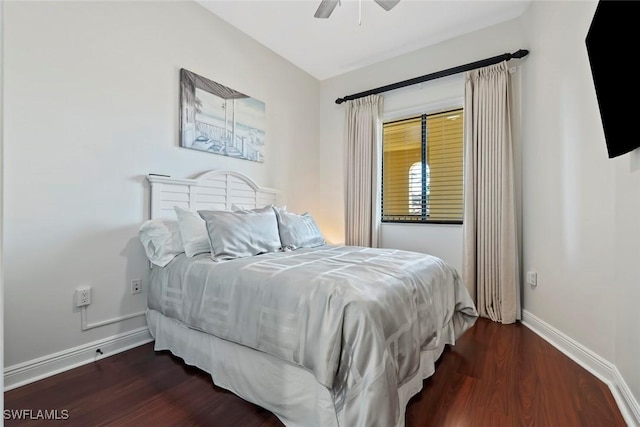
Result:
pixel 356 319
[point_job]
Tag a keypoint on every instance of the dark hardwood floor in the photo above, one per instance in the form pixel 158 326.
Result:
pixel 496 375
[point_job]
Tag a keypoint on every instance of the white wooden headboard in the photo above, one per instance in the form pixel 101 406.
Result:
pixel 213 190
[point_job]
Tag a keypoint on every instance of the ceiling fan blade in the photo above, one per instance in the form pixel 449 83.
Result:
pixel 387 4
pixel 325 8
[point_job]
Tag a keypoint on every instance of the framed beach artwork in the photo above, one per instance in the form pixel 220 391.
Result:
pixel 220 120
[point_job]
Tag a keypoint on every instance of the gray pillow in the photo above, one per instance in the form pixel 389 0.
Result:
pixel 241 234
pixel 298 231
pixel 236 208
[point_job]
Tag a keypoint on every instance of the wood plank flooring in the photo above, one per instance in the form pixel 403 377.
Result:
pixel 497 375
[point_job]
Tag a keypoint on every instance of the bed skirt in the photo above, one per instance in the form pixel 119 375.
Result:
pixel 289 391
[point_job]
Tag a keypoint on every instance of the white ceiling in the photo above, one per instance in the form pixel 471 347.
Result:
pixel 329 47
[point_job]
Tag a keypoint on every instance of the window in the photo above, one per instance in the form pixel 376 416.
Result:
pixel 415 188
pixel 422 169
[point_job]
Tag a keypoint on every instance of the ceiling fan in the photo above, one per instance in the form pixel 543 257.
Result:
pixel 326 6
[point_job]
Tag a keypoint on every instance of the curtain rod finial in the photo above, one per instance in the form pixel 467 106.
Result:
pixel 340 101
pixel 520 53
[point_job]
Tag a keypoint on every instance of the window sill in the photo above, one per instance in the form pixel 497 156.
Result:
pixel 422 222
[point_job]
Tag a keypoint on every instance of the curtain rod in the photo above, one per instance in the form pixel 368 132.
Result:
pixel 438 74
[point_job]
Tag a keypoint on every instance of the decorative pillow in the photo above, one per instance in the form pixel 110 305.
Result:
pixel 241 234
pixel 236 208
pixel 193 231
pixel 161 240
pixel 298 231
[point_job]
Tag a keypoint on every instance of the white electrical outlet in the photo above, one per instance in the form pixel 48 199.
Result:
pixel 532 278
pixel 136 286
pixel 82 296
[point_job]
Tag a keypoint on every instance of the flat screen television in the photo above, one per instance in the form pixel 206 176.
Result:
pixel 612 42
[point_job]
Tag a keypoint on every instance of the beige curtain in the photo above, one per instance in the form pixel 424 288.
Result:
pixel 490 254
pixel 363 133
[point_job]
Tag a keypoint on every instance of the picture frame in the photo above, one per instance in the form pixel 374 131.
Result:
pixel 217 119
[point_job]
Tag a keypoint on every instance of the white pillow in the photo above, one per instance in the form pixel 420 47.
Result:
pixel 236 208
pixel 298 231
pixel 193 231
pixel 161 240
pixel 241 233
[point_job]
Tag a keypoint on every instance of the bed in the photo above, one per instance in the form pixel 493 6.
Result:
pixel 320 336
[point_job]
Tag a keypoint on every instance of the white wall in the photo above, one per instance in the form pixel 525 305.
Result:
pixel 626 282
pixel 581 209
pixel 568 181
pixel 441 240
pixel 444 241
pixel 91 107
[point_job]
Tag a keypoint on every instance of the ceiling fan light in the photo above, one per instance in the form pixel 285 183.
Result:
pixel 387 4
pixel 326 8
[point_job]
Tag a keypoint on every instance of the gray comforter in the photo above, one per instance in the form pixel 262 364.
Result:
pixel 357 318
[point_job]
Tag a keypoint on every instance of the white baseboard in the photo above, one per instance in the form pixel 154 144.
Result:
pixel 592 362
pixel 46 366
pixel 626 401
